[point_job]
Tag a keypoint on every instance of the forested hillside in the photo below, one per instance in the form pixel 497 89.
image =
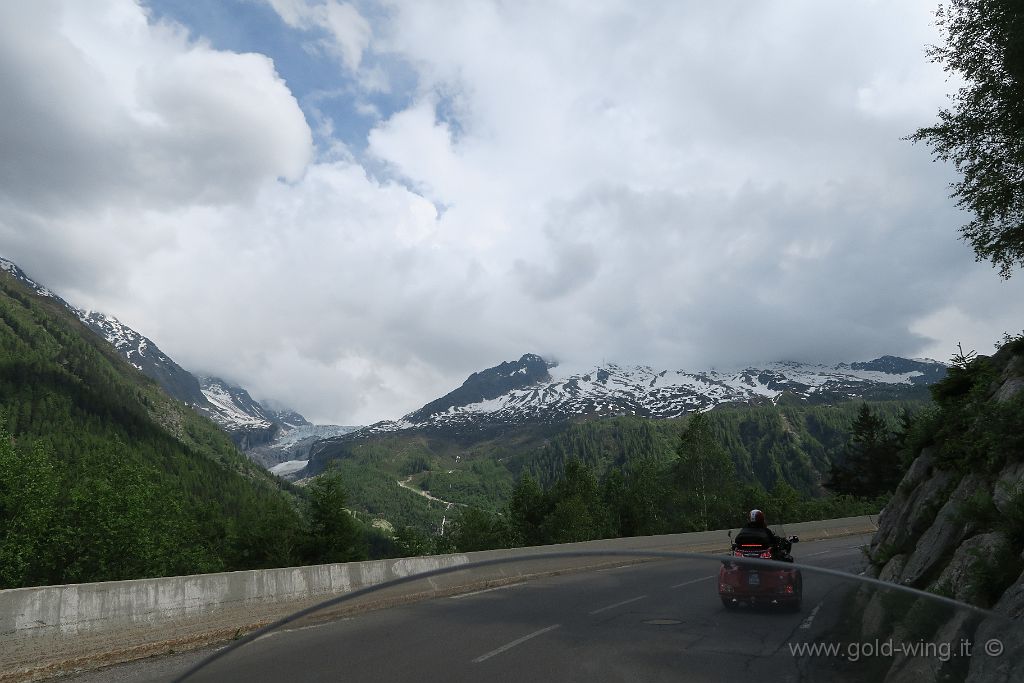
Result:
pixel 769 446
pixel 795 444
pixel 695 487
pixel 103 476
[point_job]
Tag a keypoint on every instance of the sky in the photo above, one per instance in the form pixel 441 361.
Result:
pixel 348 207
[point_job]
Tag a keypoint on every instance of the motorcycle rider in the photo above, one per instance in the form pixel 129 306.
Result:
pixel 756 531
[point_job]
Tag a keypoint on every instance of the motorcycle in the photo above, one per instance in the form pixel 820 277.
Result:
pixel 759 582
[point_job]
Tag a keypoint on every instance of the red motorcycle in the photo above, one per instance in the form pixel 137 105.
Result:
pixel 760 582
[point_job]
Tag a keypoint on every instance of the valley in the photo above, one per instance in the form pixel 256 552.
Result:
pixel 782 423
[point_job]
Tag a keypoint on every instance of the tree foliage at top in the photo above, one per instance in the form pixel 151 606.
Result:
pixel 983 132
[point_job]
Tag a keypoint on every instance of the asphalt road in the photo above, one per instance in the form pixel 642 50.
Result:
pixel 652 621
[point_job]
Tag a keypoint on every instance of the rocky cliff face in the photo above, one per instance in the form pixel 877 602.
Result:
pixel 955 526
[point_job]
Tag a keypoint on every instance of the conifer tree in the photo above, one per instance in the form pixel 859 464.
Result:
pixel 333 534
pixel 704 476
pixel 870 464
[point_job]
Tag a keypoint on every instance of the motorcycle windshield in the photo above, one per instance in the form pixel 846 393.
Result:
pixel 627 616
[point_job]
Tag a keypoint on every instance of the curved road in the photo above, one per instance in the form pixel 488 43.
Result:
pixel 658 620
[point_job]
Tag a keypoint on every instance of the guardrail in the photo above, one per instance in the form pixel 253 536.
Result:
pixel 50 629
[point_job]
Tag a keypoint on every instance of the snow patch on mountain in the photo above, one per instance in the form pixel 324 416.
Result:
pixel 132 345
pixel 232 405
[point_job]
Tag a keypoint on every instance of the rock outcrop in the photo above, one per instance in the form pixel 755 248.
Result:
pixel 955 526
pixel 1004 629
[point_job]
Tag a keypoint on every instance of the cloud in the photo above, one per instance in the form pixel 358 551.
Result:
pixel 108 118
pixel 100 102
pixel 348 33
pixel 420 150
pixel 574 266
pixel 675 184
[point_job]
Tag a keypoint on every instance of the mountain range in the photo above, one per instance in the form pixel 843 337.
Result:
pixel 781 423
pixel 531 390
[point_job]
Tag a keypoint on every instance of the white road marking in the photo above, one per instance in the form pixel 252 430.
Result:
pixel 517 641
pixel 611 569
pixel 484 590
pixel 688 583
pixel 618 604
pixel 818 553
pixel 810 618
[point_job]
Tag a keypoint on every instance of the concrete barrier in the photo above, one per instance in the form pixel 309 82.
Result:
pixel 50 629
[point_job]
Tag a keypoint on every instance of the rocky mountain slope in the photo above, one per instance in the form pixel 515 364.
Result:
pixel 955 526
pixel 249 422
